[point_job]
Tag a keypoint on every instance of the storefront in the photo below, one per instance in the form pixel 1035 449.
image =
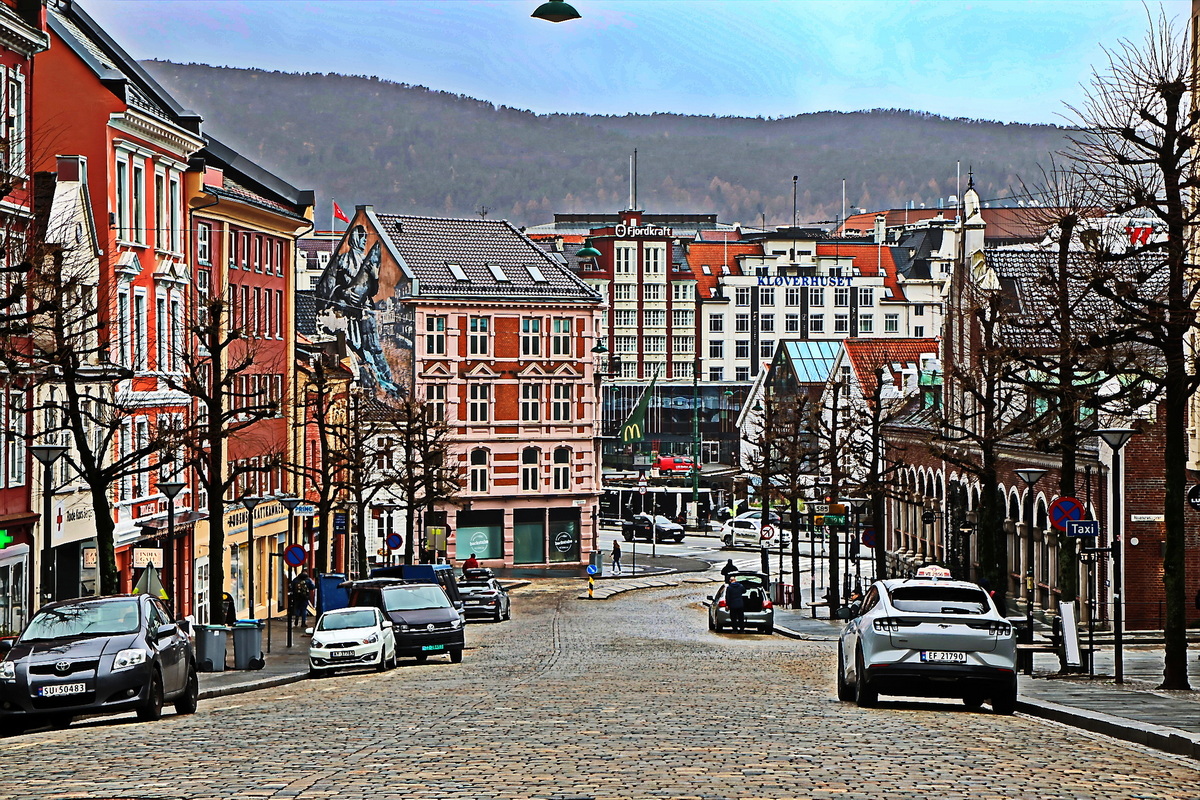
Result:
pixel 16 563
pixel 540 536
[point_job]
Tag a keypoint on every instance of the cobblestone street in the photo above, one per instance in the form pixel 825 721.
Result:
pixel 628 698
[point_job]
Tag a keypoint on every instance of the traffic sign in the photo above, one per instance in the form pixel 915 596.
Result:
pixel 818 520
pixel 593 569
pixel 641 490
pixel 819 508
pixel 305 510
pixel 1064 510
pixel 868 537
pixel 394 541
pixel 767 533
pixel 1193 496
pixel 835 519
pixel 294 555
pixel 1083 527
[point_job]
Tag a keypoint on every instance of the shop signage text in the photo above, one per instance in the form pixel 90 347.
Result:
pixel 805 280
pixel 623 230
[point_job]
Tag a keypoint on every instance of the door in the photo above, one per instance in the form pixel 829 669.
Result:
pixel 171 652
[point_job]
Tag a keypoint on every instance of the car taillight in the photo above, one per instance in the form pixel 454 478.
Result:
pixel 767 605
pixel 1000 629
pixel 720 604
pixel 887 625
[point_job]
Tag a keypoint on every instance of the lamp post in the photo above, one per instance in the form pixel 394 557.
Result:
pixel 1030 475
pixel 289 502
pixel 854 546
pixel 171 490
pixel 1116 439
pixel 250 503
pixel 47 454
pixel 555 11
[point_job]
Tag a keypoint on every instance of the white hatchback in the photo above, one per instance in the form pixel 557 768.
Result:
pixel 359 636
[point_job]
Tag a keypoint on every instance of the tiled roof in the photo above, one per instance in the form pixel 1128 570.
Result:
pixel 719 236
pixel 1008 224
pixel 715 255
pixel 429 245
pixel 869 259
pixel 811 360
pixel 230 188
pixel 865 355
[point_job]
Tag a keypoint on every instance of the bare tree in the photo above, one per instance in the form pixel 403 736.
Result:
pixel 368 459
pixel 424 473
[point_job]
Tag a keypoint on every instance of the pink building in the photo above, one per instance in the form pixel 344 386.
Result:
pixel 497 334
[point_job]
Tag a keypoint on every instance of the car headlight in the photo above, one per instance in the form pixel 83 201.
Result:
pixel 403 627
pixel 129 658
pixel 372 639
pixel 317 643
pixel 456 623
pixel 8 671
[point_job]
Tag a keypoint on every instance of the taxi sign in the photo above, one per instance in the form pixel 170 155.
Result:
pixel 933 571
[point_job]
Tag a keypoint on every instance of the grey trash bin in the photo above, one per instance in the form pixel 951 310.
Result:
pixel 247 644
pixel 596 557
pixel 210 648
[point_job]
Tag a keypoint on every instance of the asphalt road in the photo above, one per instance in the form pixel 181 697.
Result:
pixel 626 698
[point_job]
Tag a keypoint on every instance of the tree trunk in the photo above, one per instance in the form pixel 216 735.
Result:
pixel 1175 674
pixel 110 579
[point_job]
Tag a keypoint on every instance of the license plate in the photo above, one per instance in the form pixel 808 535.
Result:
pixel 60 689
pixel 473 602
pixel 943 657
pixel 433 647
pixel 342 654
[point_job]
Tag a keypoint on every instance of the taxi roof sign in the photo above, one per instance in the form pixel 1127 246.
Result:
pixel 933 571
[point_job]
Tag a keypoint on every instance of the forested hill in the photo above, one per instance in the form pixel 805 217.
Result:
pixel 409 149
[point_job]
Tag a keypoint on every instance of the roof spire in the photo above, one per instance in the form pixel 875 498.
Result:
pixel 971 177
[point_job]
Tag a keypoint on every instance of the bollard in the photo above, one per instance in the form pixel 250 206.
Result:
pixel 591 586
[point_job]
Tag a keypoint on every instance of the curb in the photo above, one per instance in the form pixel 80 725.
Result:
pixel 806 637
pixel 1154 736
pixel 253 685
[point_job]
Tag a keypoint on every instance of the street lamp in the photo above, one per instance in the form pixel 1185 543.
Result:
pixel 555 11
pixel 1030 475
pixel 1116 438
pixel 171 490
pixel 853 547
pixel 47 454
pixel 250 503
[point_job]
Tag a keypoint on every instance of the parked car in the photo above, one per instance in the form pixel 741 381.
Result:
pixel 97 655
pixel 424 622
pixel 757 515
pixel 674 465
pixel 643 526
pixel 759 611
pixel 740 532
pixel 928 636
pixel 483 595
pixel 358 636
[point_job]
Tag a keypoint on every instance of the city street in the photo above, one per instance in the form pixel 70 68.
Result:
pixel 626 698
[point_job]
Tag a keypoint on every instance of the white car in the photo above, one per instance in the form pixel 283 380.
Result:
pixel 746 531
pixel 359 636
pixel 928 636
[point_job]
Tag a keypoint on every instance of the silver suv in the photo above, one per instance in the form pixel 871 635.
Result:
pixel 928 636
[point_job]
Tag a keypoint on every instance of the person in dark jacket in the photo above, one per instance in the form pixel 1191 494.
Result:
pixel 728 568
pixel 735 601
pixel 301 591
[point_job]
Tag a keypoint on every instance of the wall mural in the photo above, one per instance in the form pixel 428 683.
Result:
pixel 357 296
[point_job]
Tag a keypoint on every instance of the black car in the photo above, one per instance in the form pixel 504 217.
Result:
pixel 424 621
pixel 643 526
pixel 97 655
pixel 483 595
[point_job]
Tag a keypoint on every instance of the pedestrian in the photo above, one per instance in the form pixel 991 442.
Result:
pixel 301 590
pixel 228 607
pixel 728 569
pixel 471 563
pixel 735 601
pixel 702 518
pixel 616 557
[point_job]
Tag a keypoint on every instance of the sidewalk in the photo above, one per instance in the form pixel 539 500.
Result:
pixel 283 665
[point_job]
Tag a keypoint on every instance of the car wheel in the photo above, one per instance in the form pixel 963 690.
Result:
pixel 508 611
pixel 60 721
pixel 383 662
pixel 864 694
pixel 456 656
pixel 499 616
pixel 186 703
pixel 151 708
pixel 422 658
pixel 767 629
pixel 727 539
pixel 678 539
pixel 972 700
pixel 711 626
pixel 845 692
pixel 15 727
pixel 1004 699
pixel 627 537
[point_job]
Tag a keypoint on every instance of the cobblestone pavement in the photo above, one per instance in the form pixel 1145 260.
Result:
pixel 629 698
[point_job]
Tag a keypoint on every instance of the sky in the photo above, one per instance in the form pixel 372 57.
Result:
pixel 1006 60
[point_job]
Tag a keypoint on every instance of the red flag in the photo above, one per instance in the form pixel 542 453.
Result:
pixel 338 213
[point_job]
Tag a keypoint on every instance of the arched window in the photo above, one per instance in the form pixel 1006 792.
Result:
pixel 562 469
pixel 479 470
pixel 530 481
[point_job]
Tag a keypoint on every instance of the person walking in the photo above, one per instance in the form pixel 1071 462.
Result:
pixel 616 557
pixel 728 569
pixel 301 590
pixel 735 601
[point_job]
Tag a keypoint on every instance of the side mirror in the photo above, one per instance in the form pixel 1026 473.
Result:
pixel 5 646
pixel 163 631
pixel 387 623
pixel 710 597
pixel 309 631
pixel 185 625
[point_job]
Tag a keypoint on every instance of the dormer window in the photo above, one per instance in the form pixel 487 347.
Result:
pixel 535 273
pixel 498 273
pixel 457 271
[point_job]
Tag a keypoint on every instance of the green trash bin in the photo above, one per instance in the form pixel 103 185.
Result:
pixel 247 644
pixel 210 648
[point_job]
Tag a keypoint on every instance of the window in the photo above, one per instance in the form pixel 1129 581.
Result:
pixel 792 296
pixel 477 336
pixel 279 258
pixel 919 331
pixel 741 348
pixel 866 297
pixel 625 318
pixel 258 248
pixel 560 402
pixel 654 318
pixel 121 355
pixel 625 344
pixel 560 337
pixel 16 442
pixel 479 402
pixel 17 127
pixel 256 318
pixel 791 323
pixel 866 323
pixel 531 402
pixel 918 309
pixel 716 348
pixel 766 348
pixel 683 318
pixel 562 469
pixel 683 292
pixel 716 323
pixel 530 457
pixel 683 345
pixel 140 331
pixel 435 399
pixel 479 470
pixel 623 260
pixel 741 323
pixel 816 296
pixel 244 250
pixel 841 297
pixel 716 373
pixel 654 344
pixel 204 243
pixel 766 296
pixel 841 323
pixel 741 295
pixel 279 313
pixel 531 336
pixel 656 258
pixel 138 212
pixel 816 323
pixel 498 273
pixel 160 211
pixel 175 334
pixel 435 336
pixel 652 292
pixel 766 323
pixel 682 369
pixel 741 374
pixel 122 198
pixel 175 212
pixel 629 369
pixel 267 248
pixel 160 333
pixel 624 291
pixel 535 272
pixel 891 323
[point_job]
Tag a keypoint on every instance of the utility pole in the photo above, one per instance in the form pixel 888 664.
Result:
pixel 834 591
pixel 875 478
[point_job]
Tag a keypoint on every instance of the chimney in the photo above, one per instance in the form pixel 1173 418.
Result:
pixel 72 168
pixel 880 228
